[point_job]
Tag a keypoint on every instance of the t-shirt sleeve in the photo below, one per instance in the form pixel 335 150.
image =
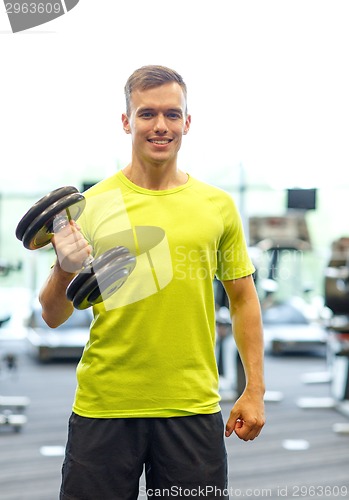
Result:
pixel 233 260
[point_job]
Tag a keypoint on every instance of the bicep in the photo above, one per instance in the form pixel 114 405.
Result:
pixel 241 291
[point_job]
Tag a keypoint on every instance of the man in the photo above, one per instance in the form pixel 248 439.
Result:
pixel 147 390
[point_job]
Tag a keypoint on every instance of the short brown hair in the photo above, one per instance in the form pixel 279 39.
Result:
pixel 151 76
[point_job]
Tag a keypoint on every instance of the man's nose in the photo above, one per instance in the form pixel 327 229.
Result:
pixel 160 124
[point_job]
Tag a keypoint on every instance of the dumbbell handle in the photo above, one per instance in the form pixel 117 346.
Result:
pixel 62 220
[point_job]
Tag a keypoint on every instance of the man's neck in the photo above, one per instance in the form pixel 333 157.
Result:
pixel 156 177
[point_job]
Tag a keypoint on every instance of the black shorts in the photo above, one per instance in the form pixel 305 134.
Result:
pixel 184 457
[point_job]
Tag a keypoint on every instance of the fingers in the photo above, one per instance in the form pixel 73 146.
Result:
pixel 232 426
pixel 247 428
pixel 247 431
pixel 71 247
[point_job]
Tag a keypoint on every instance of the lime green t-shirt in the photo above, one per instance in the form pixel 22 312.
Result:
pixel 151 346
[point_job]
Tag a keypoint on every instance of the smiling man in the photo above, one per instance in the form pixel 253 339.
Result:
pixel 147 393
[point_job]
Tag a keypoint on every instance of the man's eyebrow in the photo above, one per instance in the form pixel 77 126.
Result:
pixel 143 109
pixel 176 110
pixel 147 109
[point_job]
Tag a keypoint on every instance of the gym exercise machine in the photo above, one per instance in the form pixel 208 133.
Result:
pixel 337 300
pixel 12 408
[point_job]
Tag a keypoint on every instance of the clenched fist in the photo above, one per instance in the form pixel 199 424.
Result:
pixel 71 247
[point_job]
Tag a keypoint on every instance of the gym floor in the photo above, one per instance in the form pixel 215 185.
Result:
pixel 297 455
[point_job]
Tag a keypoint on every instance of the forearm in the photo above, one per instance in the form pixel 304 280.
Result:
pixel 247 329
pixel 72 250
pixel 247 415
pixel 56 308
pixel 248 334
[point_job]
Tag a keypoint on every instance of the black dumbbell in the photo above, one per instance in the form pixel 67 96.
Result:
pixel 100 277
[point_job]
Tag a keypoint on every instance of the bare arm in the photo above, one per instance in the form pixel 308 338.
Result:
pixel 71 249
pixel 247 416
pixel 56 308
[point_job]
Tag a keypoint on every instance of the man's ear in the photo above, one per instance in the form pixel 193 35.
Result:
pixel 125 123
pixel 187 124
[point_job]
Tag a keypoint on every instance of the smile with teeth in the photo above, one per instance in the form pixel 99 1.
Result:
pixel 161 142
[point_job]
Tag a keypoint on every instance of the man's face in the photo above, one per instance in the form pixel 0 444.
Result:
pixel 157 122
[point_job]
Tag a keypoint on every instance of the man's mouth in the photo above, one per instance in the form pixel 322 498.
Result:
pixel 160 142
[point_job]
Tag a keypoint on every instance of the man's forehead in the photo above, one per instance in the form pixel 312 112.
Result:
pixel 169 95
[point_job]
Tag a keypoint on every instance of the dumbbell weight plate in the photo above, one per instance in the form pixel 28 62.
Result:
pixel 39 231
pixel 111 277
pixel 103 283
pixel 95 290
pixel 108 282
pixel 80 279
pixel 105 276
pixel 39 207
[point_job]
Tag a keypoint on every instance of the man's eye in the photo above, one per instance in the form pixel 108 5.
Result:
pixel 174 116
pixel 146 115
